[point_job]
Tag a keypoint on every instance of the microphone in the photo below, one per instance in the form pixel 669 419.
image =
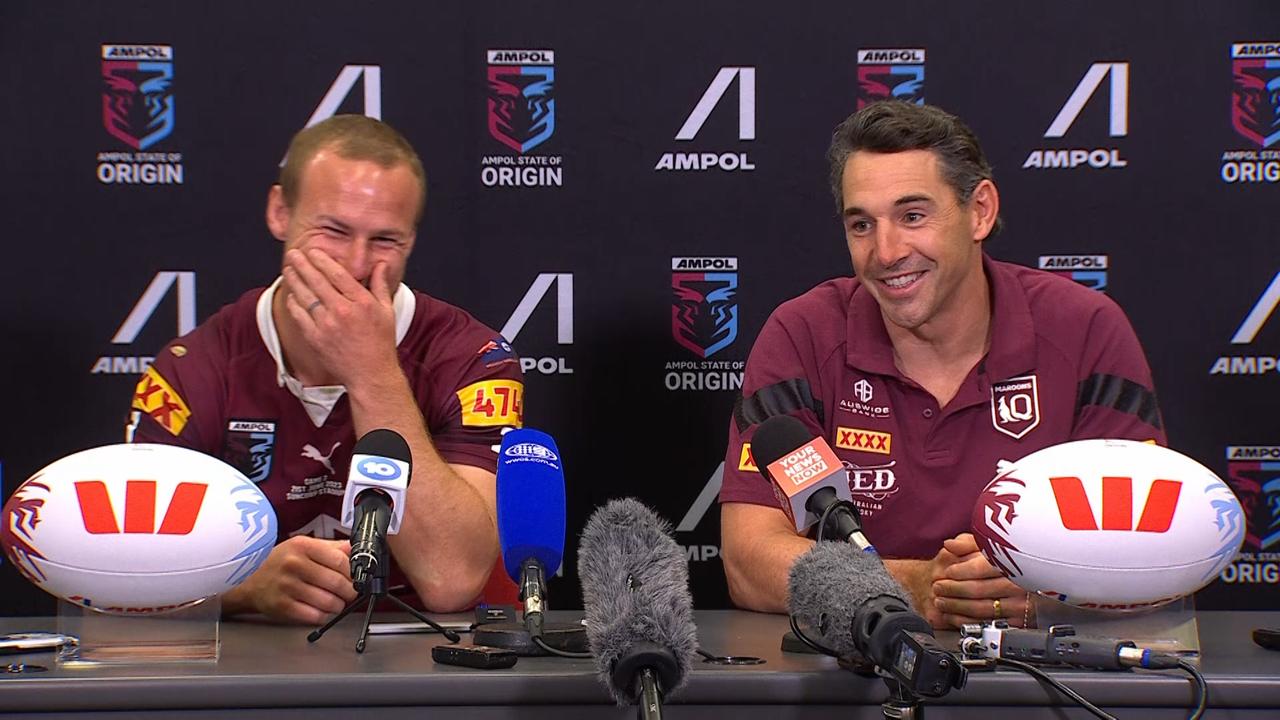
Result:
pixel 373 504
pixel 531 517
pixel 639 613
pixel 1059 644
pixel 859 609
pixel 808 479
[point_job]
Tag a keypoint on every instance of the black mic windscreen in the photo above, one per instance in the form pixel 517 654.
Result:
pixel 635 589
pixel 384 442
pixel 829 583
pixel 777 436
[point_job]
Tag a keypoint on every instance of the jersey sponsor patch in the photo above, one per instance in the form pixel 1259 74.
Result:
pixel 1015 406
pixel 157 398
pixel 491 403
pixel 249 447
pixel 870 441
pixel 497 352
pixel 746 461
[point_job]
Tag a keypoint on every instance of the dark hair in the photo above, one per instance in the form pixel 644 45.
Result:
pixel 353 137
pixel 890 126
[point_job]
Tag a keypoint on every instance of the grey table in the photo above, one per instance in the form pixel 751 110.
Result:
pixel 272 671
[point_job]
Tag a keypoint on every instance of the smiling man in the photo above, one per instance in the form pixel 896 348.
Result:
pixel 924 370
pixel 282 382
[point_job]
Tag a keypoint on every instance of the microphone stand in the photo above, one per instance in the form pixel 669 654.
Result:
pixel 902 703
pixel 649 705
pixel 371 591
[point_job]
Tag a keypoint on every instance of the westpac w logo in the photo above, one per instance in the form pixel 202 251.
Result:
pixel 139 508
pixel 1117 505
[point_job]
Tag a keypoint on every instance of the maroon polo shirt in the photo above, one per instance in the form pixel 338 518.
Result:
pixel 215 390
pixel 1064 364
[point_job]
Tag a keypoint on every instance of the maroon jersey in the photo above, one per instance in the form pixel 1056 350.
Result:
pixel 219 390
pixel 1064 364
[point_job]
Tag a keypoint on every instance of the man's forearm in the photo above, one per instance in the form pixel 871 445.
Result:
pixel 447 542
pixel 758 570
pixel 916 577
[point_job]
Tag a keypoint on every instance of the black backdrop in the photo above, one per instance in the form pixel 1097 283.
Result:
pixel 1188 238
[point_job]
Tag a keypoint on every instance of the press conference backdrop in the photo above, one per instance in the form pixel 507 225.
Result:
pixel 659 188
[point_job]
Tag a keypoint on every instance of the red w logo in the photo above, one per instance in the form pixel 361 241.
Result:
pixel 139 508
pixel 1117 504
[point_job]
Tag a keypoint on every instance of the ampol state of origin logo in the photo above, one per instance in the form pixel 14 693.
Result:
pixel 704 310
pixel 1253 471
pixel 1088 270
pixel 138 111
pixel 1255 94
pixel 521 116
pixel 249 447
pixel 522 108
pixel 1255 113
pixel 891 74
pixel 137 100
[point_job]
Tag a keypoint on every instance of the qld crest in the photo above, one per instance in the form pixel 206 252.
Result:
pixel 1015 406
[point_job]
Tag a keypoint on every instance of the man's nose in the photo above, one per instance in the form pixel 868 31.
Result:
pixel 889 246
pixel 357 259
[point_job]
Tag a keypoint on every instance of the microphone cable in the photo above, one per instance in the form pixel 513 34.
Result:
pixel 826 515
pixel 1202 687
pixel 813 644
pixel 537 640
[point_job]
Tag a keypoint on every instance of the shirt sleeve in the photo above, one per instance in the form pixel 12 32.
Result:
pixel 487 401
pixel 174 402
pixel 1116 395
pixel 776 382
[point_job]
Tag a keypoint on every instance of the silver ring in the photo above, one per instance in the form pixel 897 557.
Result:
pixel 313 306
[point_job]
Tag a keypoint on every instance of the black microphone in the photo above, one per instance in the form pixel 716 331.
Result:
pixel 859 609
pixel 639 613
pixel 1060 644
pixel 373 503
pixel 808 479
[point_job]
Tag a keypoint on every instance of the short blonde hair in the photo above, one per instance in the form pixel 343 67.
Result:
pixel 353 137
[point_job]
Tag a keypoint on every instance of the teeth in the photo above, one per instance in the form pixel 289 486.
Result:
pixel 902 280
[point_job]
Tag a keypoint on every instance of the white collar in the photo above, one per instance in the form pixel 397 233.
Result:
pixel 319 401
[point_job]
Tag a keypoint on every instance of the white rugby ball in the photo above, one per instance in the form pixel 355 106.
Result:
pixel 1108 524
pixel 134 529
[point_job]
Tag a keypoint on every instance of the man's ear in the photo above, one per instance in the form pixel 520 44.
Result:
pixel 984 205
pixel 278 213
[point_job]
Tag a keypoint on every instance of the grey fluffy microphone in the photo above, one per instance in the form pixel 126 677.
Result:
pixel 849 597
pixel 830 583
pixel 639 613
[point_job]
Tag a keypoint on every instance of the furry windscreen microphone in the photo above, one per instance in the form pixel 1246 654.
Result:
pixel 830 583
pixel 635 588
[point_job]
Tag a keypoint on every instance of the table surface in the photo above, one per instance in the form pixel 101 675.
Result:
pixel 271 666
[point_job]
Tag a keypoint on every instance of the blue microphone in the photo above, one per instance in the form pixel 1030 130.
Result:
pixel 531 510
